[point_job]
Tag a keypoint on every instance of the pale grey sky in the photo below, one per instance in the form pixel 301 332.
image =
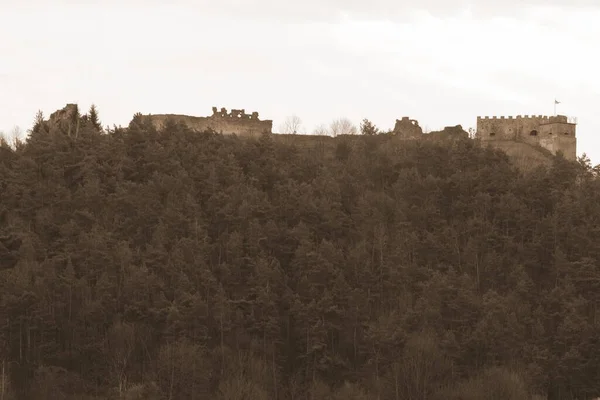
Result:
pixel 443 63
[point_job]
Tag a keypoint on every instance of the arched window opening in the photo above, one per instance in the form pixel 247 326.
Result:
pixel 492 133
pixel 533 133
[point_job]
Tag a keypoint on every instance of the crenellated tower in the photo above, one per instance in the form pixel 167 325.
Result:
pixel 554 133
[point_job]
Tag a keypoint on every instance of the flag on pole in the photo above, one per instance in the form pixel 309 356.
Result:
pixel 556 101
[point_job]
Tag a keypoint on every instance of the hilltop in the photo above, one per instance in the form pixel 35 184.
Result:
pixel 516 139
pixel 165 263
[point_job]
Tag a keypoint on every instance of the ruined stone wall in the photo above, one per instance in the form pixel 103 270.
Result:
pixel 63 120
pixel 523 155
pixel 554 133
pixel 236 122
pixel 448 133
pixel 407 128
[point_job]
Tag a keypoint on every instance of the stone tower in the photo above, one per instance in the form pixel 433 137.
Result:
pixel 553 133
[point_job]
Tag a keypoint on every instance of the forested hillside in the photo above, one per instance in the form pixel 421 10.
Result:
pixel 144 264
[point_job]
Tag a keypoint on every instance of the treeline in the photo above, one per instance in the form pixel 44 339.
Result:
pixel 171 264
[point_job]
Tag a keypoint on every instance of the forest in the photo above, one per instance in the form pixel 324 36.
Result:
pixel 168 264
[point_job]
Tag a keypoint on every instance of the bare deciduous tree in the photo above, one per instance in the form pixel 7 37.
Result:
pixel 3 139
pixel 342 126
pixel 14 139
pixel 15 135
pixel 121 343
pixel 291 125
pixel 321 130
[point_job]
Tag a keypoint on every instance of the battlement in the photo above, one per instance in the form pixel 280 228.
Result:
pixel 554 133
pixel 540 119
pixel 517 117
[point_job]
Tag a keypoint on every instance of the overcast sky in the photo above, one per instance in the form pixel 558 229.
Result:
pixel 443 63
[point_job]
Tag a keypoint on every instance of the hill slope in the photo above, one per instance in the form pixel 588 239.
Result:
pixel 523 155
pixel 174 264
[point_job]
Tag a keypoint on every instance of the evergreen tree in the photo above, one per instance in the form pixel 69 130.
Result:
pixel 368 128
pixel 39 125
pixel 93 118
pixel 166 263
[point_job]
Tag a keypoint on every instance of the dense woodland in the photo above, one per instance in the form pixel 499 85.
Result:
pixel 171 264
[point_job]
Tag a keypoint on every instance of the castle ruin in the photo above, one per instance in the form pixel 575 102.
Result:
pixel 228 123
pixel 521 137
pixel 553 133
pixel 407 128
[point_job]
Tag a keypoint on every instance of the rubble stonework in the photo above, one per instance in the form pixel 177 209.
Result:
pixel 63 119
pixel 235 122
pixel 407 128
pixel 453 132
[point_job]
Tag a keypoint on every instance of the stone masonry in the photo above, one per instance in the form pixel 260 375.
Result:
pixel 554 133
pixel 235 122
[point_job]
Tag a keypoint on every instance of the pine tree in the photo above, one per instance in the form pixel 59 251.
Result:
pixel 93 118
pixel 38 123
pixel 368 128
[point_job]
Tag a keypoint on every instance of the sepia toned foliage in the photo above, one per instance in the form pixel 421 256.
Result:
pixel 138 263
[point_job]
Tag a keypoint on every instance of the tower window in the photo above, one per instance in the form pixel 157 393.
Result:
pixel 566 133
pixel 533 133
pixel 492 133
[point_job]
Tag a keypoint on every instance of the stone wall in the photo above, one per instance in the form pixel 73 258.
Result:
pixel 554 133
pixel 540 134
pixel 235 122
pixel 449 132
pixel 407 128
pixel 63 120
pixel 523 155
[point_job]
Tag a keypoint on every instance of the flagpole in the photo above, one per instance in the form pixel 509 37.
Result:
pixel 555 107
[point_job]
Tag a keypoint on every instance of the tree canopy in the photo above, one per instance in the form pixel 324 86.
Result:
pixel 171 264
